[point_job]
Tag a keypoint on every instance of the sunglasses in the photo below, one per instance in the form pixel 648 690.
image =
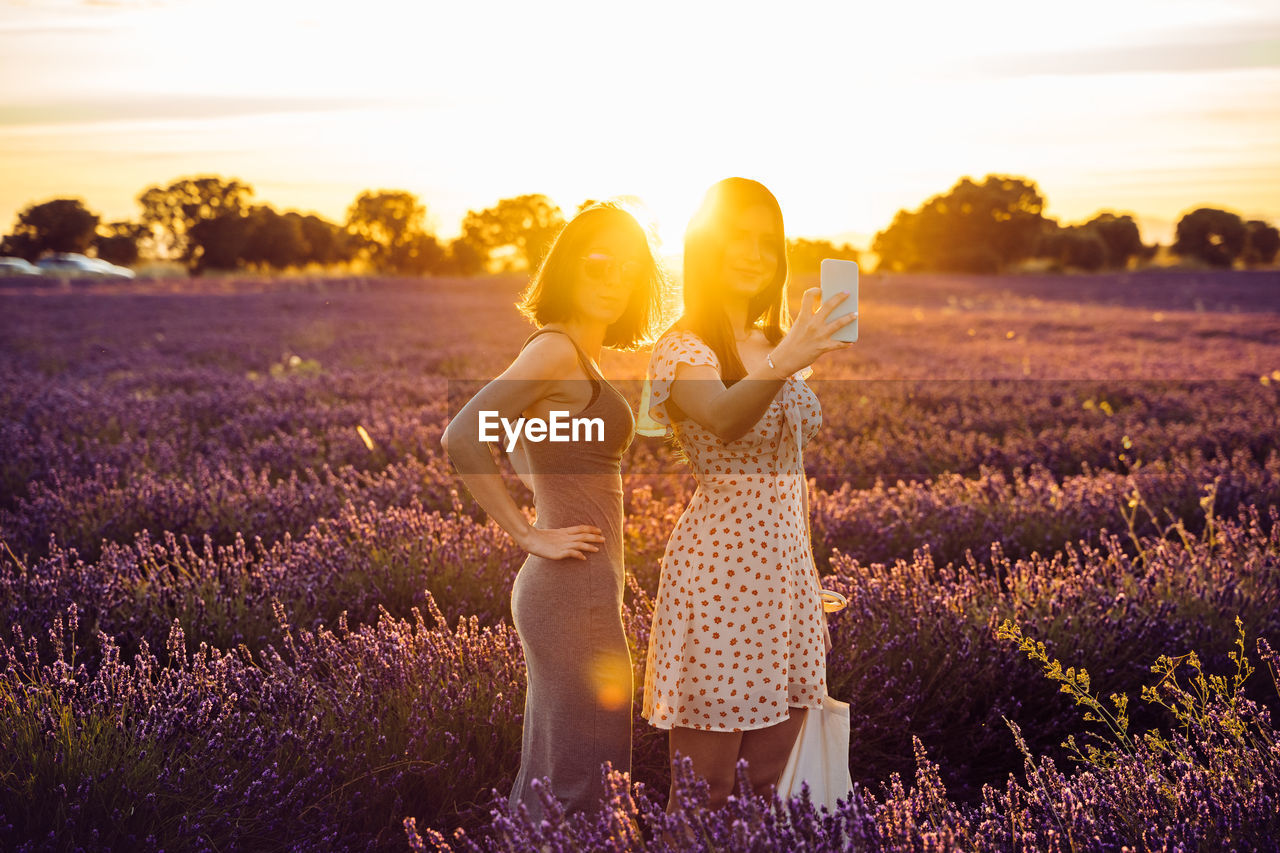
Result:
pixel 598 266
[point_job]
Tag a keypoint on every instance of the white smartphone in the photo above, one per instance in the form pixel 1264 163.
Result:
pixel 840 276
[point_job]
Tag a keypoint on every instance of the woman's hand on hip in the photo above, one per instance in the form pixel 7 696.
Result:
pixel 559 543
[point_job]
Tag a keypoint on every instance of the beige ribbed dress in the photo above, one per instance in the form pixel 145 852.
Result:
pixel 569 614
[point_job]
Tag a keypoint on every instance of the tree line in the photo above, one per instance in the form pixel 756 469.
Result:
pixel 994 225
pixel 213 223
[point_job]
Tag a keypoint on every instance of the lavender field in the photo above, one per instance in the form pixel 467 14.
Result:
pixel 245 604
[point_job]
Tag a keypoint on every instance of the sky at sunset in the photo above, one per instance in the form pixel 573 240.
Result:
pixel 847 111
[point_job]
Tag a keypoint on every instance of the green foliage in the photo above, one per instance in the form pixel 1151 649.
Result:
pixel 1074 247
pixel 119 242
pixel 390 227
pixel 806 256
pixel 1175 525
pixel 61 225
pixel 1217 725
pixel 1076 684
pixel 96 745
pixel 972 227
pixel 1190 703
pixel 464 258
pixel 259 237
pixel 327 242
pixel 274 240
pixel 209 222
pixel 1121 236
pixel 219 243
pixel 1262 242
pixel 174 212
pixel 1215 237
pixel 1105 242
pixel 385 222
pixel 515 233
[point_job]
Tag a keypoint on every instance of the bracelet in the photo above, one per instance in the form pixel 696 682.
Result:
pixel 769 358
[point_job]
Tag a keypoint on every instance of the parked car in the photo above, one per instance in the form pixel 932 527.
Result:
pixel 17 266
pixel 76 265
pixel 110 269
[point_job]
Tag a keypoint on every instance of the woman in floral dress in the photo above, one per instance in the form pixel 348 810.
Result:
pixel 737 649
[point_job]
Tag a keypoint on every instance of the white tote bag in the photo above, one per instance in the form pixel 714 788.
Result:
pixel 820 756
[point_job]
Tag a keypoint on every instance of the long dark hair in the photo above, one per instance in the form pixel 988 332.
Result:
pixel 704 245
pixel 549 296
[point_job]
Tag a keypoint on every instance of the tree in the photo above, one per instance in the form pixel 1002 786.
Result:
pixel 1105 242
pixel 61 225
pixel 896 245
pixel 327 242
pixel 463 258
pixel 515 233
pixel 175 211
pixel 806 256
pixel 219 242
pixel 971 228
pixel 389 226
pixel 274 240
pixel 1076 246
pixel 420 254
pixel 1121 236
pixel 1262 242
pixel 1216 237
pixel 118 242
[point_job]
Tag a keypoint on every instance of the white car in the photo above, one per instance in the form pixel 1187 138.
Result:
pixel 76 265
pixel 17 266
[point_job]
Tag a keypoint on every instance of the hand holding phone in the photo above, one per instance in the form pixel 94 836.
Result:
pixel 841 276
pixel 811 333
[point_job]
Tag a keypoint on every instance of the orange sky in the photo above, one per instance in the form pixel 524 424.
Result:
pixel 847 111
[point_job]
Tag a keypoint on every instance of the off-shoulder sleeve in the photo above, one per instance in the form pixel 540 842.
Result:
pixel 669 353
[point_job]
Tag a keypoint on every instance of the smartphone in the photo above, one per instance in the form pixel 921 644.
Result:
pixel 840 276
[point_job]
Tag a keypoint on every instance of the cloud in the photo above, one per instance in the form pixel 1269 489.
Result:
pixel 153 107
pixel 59 5
pixel 1207 49
pixel 125 4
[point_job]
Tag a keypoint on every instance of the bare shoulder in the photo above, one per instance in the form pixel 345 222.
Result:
pixel 550 356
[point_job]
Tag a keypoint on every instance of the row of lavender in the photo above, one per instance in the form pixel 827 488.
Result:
pixel 197 452
pixel 179 480
pixel 182 744
pixel 386 549
pixel 249 412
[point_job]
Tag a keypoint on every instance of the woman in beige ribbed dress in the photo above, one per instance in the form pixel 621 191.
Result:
pixel 738 643
pixel 599 286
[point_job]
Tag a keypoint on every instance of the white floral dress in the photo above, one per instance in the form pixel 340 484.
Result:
pixel 737 632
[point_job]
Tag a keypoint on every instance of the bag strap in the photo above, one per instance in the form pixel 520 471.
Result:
pixel 804 522
pixel 804 493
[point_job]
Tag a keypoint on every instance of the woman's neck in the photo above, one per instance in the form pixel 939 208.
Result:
pixel 589 336
pixel 735 308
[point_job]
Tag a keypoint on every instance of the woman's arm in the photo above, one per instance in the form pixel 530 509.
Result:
pixel 728 412
pixel 532 376
pixel 731 412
